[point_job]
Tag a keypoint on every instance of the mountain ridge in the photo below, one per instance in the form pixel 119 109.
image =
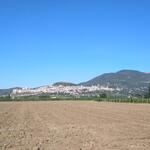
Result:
pixel 130 81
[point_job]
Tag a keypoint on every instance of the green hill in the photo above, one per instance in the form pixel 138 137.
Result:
pixel 64 84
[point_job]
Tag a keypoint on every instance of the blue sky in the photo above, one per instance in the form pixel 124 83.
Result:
pixel 44 41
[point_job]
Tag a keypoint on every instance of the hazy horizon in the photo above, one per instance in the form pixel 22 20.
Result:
pixel 44 41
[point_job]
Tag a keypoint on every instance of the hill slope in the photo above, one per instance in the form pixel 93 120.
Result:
pixel 128 80
pixel 7 91
pixel 64 84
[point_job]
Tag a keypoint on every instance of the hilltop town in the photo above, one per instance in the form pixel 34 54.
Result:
pixel 72 90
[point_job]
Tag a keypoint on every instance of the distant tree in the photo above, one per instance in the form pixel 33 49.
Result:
pixel 147 95
pixel 104 95
pixel 9 96
pixel 149 91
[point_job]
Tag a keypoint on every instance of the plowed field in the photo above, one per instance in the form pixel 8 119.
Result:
pixel 74 125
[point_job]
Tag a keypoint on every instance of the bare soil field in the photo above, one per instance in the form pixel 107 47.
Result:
pixel 74 125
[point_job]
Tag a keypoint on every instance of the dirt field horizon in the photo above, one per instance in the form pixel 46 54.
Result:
pixel 74 125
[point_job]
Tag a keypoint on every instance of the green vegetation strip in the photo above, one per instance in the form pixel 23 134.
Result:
pixel 83 98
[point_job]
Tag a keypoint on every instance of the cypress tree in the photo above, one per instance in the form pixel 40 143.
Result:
pixel 149 91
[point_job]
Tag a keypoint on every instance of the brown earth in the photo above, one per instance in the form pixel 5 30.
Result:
pixel 74 125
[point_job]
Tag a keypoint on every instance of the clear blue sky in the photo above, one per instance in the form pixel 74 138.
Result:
pixel 44 41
